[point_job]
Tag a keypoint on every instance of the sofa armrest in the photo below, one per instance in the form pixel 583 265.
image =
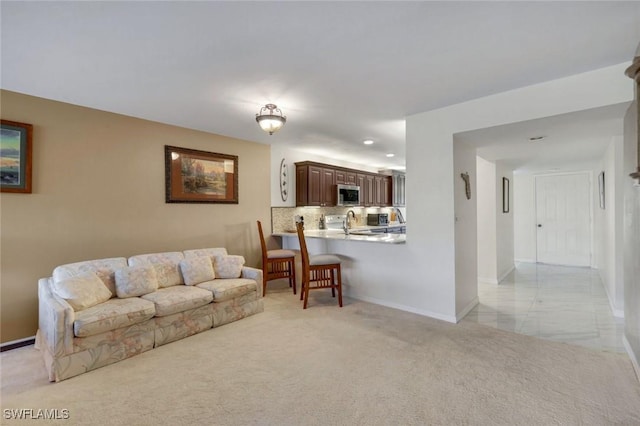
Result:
pixel 253 274
pixel 55 322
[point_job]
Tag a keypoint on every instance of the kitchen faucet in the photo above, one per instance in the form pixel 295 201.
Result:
pixel 399 213
pixel 351 213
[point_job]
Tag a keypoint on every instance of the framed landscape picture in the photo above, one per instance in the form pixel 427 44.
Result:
pixel 15 156
pixel 193 176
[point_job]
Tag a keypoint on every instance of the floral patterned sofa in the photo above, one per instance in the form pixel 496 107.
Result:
pixel 99 312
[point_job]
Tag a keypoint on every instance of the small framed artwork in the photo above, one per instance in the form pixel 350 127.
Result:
pixel 601 189
pixel 505 195
pixel 193 176
pixel 15 156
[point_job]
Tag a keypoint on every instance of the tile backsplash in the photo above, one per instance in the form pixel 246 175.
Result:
pixel 283 218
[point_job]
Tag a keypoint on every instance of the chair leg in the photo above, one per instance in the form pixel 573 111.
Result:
pixel 306 296
pixel 264 283
pixel 339 287
pixel 333 283
pixel 292 275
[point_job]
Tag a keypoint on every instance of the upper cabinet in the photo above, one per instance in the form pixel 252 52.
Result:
pixel 345 177
pixel 398 186
pixel 316 185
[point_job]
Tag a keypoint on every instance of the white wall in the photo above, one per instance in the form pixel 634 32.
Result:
pixel 487 251
pixel 430 162
pixel 466 223
pixel 524 217
pixel 631 236
pixel 608 224
pixel 504 223
pixel 495 227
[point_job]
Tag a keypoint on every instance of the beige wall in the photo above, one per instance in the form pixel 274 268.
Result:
pixel 98 191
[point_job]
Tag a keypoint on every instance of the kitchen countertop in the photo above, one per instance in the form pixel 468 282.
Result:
pixel 356 234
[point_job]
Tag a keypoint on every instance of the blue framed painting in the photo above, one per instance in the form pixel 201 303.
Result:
pixel 15 156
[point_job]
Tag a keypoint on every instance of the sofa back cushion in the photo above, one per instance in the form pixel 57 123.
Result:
pixel 229 266
pixel 82 290
pixel 135 281
pixel 104 268
pixel 196 270
pixel 211 252
pixel 167 266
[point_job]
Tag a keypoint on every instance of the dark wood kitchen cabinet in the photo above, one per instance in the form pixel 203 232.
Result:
pixel 365 182
pixel 315 185
pixel 381 191
pixel 385 191
pixel 345 177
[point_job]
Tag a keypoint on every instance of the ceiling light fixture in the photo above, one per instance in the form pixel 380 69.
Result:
pixel 390 155
pixel 270 118
pixel 368 142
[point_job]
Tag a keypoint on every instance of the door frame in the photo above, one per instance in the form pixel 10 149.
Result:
pixel 589 174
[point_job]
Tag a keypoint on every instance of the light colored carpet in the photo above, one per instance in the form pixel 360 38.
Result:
pixel 363 364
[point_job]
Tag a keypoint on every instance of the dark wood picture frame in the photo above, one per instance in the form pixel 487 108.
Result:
pixel 505 195
pixel 16 154
pixel 193 176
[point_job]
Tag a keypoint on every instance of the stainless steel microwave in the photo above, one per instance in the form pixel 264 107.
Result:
pixel 348 195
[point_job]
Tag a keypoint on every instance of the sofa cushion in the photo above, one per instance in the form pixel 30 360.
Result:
pixel 111 315
pixel 135 281
pixel 196 270
pixel 104 268
pixel 228 266
pixel 211 252
pixel 166 264
pixel 230 288
pixel 82 291
pixel 177 299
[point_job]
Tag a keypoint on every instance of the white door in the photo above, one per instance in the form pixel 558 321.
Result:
pixel 563 219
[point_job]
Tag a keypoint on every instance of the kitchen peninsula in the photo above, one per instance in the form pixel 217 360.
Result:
pixel 367 261
pixel 340 227
pixel 354 235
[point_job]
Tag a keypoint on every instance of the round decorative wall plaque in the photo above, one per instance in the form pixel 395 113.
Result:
pixel 284 180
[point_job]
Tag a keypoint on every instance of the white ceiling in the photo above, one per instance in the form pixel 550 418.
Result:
pixel 342 72
pixel 569 140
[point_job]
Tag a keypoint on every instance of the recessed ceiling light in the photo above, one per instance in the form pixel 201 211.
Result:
pixel 536 138
pixel 368 142
pixel 390 155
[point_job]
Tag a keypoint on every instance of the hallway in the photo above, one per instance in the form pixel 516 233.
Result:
pixel 559 303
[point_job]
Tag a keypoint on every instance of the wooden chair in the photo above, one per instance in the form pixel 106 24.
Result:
pixel 319 271
pixel 276 264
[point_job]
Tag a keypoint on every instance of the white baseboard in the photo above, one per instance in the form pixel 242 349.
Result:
pixel 632 355
pixel 496 281
pixel 435 315
pixel 524 260
pixel 618 313
pixel 507 272
pixel 467 309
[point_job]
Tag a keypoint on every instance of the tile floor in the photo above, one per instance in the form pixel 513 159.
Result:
pixel 558 303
